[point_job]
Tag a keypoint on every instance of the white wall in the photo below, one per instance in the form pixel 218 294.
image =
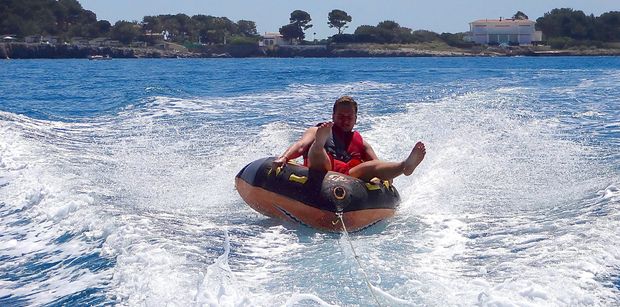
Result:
pixel 502 32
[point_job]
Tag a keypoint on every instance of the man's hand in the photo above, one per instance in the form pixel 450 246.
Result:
pixel 279 162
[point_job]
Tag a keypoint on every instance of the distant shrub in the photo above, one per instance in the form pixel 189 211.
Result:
pixel 456 40
pixel 559 42
pixel 424 36
pixel 343 38
pixel 243 40
pixel 586 43
pixel 192 46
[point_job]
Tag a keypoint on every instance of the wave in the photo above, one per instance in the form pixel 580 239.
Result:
pixel 139 207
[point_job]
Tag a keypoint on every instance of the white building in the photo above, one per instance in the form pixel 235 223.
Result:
pixel 503 31
pixel 271 39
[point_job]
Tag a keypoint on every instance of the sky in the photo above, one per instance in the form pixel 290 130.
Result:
pixel 437 15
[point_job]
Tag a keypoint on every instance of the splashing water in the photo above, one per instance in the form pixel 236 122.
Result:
pixel 123 193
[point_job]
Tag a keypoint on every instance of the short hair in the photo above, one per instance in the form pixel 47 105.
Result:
pixel 345 101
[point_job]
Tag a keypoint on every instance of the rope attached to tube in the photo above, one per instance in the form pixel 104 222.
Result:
pixel 359 264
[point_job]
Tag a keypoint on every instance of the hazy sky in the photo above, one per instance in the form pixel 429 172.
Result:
pixel 270 15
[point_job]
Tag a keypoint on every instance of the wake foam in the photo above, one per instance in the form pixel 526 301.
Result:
pixel 50 230
pixel 484 154
pixel 504 205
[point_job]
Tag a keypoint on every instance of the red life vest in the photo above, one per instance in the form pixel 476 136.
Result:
pixel 345 150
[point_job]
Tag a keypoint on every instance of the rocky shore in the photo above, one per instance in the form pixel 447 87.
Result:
pixel 41 51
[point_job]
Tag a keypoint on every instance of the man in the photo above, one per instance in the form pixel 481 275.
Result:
pixel 334 146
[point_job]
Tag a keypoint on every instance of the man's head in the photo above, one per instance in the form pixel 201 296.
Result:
pixel 344 114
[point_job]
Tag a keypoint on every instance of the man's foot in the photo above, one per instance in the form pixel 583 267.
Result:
pixel 323 133
pixel 415 157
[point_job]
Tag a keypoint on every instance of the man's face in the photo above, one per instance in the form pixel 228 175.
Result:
pixel 344 117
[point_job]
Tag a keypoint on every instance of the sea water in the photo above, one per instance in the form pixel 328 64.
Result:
pixel 117 182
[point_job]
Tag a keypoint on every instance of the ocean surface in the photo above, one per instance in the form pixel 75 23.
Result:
pixel 117 182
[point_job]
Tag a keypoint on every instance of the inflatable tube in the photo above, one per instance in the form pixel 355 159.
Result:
pixel 295 193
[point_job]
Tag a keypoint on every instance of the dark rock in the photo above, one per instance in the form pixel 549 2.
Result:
pixel 35 51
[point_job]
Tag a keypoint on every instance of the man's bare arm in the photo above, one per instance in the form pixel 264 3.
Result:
pixel 369 153
pixel 298 148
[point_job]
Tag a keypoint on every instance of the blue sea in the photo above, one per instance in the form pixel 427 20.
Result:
pixel 117 182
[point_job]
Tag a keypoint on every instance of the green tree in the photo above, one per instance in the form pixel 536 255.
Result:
pixel 43 22
pixel 405 35
pixel 83 24
pixel 608 27
pixel 456 39
pixel 338 19
pixel 370 34
pixel 67 18
pixel 424 36
pixel 391 32
pixel 566 22
pixel 73 6
pixel 178 26
pixel 64 18
pixel 299 22
pixel 389 25
pixel 388 32
pixel 125 31
pixel 68 13
pixel 519 16
pixel 365 33
pixel 199 28
pixel 103 26
pixel 247 28
pixel 292 31
pixel 152 23
pixel 220 28
pixel 301 19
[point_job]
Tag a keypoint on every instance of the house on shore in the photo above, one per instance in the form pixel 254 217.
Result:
pixel 156 36
pixel 272 39
pixel 503 31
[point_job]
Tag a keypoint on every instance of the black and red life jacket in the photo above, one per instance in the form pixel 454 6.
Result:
pixel 343 147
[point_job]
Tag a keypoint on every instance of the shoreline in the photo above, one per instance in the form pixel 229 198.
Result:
pixel 39 51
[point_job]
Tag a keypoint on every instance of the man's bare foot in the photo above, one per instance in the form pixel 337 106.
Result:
pixel 415 157
pixel 323 133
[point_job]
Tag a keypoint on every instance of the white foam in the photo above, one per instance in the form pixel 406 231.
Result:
pixel 588 114
pixel 43 202
pixel 219 286
pixel 10 244
pixel 499 213
pixel 480 155
pixel 388 300
pixel 483 161
pixel 586 83
pixel 612 192
pixel 297 299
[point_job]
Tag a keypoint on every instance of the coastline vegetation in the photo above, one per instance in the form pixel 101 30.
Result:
pixel 566 27
pixel 67 20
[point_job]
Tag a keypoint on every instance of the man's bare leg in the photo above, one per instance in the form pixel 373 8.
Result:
pixel 390 170
pixel 317 156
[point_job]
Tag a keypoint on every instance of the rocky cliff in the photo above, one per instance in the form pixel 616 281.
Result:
pixel 36 51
